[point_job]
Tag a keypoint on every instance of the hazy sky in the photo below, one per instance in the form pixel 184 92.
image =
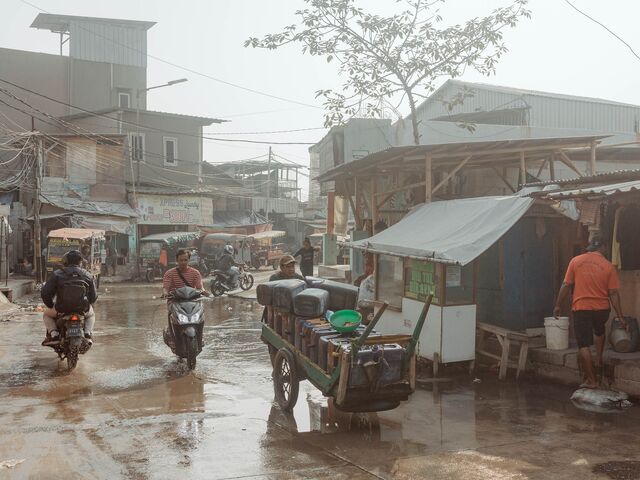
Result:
pixel 557 50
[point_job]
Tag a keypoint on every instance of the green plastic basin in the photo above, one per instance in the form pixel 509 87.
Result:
pixel 345 321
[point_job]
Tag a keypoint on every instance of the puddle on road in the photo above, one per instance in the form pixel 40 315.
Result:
pixel 131 381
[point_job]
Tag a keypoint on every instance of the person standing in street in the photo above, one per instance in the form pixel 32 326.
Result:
pixel 306 254
pixel 593 283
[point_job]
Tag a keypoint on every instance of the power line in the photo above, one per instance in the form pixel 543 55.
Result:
pixel 272 132
pixel 186 69
pixel 603 26
pixel 138 125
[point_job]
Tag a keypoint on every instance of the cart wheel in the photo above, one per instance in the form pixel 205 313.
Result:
pixel 436 364
pixel 285 380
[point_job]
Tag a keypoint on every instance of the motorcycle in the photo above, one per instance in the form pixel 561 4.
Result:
pixel 186 321
pixel 221 282
pixel 72 341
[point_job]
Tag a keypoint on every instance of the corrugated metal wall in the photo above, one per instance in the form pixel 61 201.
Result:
pixel 550 111
pixel 100 42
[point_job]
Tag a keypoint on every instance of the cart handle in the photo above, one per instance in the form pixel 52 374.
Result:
pixel 411 347
pixel 362 338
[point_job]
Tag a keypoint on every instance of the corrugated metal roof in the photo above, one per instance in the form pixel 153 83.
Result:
pixel 599 177
pixel 601 190
pixel 94 207
pixel 57 23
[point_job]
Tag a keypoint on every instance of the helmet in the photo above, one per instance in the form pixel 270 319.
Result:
pixel 72 257
pixel 228 249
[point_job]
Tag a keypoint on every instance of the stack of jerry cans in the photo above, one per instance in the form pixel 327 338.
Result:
pixel 284 293
pixel 264 293
pixel 308 305
pixel 342 296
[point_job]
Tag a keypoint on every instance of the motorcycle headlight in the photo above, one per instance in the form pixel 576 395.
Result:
pixel 182 318
pixel 197 317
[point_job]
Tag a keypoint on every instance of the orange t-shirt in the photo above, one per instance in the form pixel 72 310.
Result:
pixel 592 276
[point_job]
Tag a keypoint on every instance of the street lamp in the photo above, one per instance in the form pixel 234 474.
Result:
pixel 139 153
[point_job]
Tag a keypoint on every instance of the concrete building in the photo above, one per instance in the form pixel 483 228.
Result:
pixel 95 94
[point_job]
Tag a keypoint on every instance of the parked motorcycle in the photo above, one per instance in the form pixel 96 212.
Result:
pixel 72 341
pixel 221 282
pixel 186 321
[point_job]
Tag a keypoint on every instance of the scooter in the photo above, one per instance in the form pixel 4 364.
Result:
pixel 221 282
pixel 72 340
pixel 186 321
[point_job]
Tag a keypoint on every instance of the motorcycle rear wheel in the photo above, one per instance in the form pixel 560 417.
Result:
pixel 246 281
pixel 72 358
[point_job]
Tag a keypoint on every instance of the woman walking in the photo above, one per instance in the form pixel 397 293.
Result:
pixel 306 254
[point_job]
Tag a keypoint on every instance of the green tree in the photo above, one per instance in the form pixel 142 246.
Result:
pixel 389 57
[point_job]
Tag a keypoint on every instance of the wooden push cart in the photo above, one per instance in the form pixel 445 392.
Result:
pixel 290 366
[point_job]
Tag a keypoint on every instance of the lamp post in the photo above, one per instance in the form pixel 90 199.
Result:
pixel 138 154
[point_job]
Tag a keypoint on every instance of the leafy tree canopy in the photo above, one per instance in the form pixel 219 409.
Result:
pixel 403 56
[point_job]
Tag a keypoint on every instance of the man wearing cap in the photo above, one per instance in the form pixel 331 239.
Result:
pixel 593 283
pixel 287 269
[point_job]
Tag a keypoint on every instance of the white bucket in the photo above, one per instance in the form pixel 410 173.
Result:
pixel 557 332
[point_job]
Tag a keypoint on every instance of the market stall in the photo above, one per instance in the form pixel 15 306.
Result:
pixel 431 251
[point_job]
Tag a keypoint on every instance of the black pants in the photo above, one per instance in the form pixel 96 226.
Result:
pixel 306 269
pixel 587 323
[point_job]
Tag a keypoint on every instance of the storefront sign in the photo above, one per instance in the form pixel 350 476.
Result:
pixel 174 210
pixel 421 279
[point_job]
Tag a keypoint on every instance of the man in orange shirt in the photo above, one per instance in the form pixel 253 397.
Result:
pixel 595 284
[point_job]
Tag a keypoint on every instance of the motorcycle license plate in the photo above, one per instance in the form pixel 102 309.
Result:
pixel 74 331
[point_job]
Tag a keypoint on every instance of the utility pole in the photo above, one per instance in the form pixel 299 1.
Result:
pixel 37 228
pixel 268 183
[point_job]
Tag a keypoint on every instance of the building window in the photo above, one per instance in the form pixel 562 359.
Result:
pixel 170 151
pixel 124 100
pixel 136 147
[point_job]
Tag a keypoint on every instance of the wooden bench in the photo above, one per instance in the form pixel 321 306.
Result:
pixel 505 338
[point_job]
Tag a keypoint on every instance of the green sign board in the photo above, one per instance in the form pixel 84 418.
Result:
pixel 421 280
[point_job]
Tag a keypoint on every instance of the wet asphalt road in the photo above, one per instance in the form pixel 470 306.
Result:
pixel 130 410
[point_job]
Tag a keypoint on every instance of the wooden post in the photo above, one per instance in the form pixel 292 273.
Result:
pixel 428 178
pixel 552 167
pixel 374 205
pixel 331 208
pixel 592 159
pixel 523 170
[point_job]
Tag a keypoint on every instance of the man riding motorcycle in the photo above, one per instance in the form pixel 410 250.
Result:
pixel 71 273
pixel 229 265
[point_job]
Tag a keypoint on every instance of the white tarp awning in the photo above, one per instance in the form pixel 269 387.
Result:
pixel 453 231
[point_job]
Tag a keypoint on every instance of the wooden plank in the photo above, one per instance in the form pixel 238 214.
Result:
pixel 451 174
pixel 386 339
pixel 592 158
pixel 503 177
pixel 567 161
pixel 356 214
pixel 522 359
pixel 504 361
pixel 552 167
pixel 544 164
pixel 523 169
pixel 412 372
pixel 401 189
pixel 343 383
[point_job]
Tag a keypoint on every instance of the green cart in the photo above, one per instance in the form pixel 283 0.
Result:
pixel 291 366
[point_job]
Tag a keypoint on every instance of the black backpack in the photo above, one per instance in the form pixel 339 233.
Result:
pixel 72 294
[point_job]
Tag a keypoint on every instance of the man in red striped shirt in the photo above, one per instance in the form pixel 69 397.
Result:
pixel 172 279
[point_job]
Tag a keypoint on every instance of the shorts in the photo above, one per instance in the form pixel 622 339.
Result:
pixel 587 323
